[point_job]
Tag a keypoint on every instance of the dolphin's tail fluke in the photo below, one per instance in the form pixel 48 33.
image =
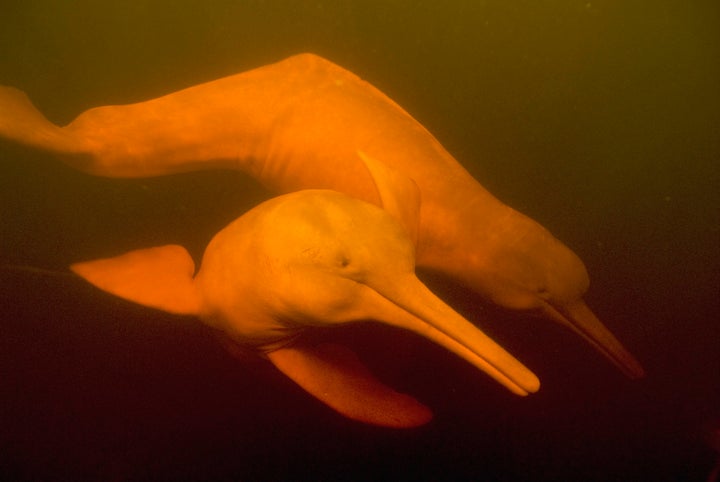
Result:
pixel 160 278
pixel 21 122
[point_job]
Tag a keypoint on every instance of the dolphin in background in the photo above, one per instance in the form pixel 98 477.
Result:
pixel 306 123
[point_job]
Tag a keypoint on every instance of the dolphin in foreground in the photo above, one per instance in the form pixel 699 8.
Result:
pixel 304 123
pixel 301 261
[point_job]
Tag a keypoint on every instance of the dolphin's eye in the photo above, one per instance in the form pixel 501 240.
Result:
pixel 343 261
pixel 543 291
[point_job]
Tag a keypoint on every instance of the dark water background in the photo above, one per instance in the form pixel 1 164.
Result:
pixel 599 119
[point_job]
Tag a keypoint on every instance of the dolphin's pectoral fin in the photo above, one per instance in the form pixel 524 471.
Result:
pixel 399 194
pixel 160 277
pixel 334 375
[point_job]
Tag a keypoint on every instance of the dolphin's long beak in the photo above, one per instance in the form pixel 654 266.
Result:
pixel 579 318
pixel 412 306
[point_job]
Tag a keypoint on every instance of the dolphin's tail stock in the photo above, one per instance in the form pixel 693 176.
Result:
pixel 21 122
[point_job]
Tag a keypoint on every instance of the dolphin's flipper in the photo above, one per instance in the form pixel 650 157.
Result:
pixel 158 277
pixel 333 374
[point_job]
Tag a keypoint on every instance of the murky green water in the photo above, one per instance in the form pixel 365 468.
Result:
pixel 599 119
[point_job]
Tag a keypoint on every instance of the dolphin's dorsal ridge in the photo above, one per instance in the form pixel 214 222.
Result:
pixel 399 194
pixel 160 277
pixel 334 375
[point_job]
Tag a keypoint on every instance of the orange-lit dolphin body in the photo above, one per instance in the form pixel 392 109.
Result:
pixel 301 124
pixel 309 259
